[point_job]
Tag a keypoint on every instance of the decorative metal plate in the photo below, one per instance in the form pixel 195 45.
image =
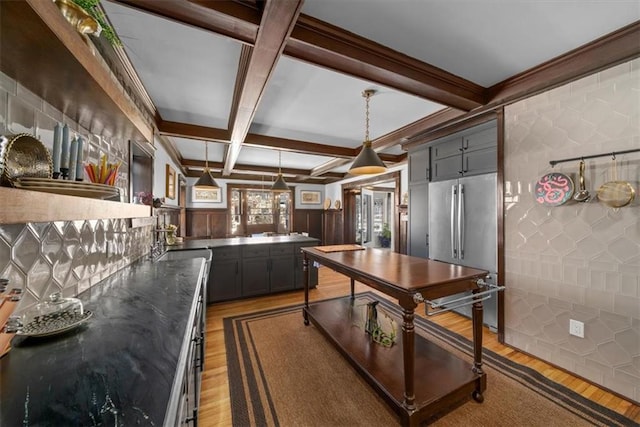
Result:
pixel 554 189
pixel 55 323
pixel 22 155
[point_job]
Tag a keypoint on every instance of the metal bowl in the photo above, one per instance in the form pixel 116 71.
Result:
pixel 22 155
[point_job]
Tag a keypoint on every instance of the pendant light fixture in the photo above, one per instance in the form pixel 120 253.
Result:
pixel 280 186
pixel 367 162
pixel 206 179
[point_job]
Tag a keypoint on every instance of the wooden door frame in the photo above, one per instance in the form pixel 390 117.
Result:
pixel 350 189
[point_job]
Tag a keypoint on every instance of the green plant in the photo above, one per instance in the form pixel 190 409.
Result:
pixel 92 7
pixel 386 231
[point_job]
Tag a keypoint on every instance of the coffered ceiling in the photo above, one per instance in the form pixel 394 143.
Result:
pixel 256 77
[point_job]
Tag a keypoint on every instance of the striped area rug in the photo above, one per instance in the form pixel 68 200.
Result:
pixel 283 373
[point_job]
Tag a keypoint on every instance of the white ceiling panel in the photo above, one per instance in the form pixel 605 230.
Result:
pixel 263 156
pixel 189 73
pixel 309 103
pixel 485 41
pixel 194 149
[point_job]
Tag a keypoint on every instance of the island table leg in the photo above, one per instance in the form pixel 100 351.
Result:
pixel 408 353
pixel 305 273
pixel 477 314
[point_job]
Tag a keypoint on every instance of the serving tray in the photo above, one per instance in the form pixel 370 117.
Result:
pixel 55 323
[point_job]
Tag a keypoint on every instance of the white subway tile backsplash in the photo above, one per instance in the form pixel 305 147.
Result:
pixel 29 98
pixel 625 305
pixel 4 101
pixel 8 84
pixel 590 373
pixel 600 299
pixel 587 255
pixel 630 285
pixel 68 255
pixel 21 117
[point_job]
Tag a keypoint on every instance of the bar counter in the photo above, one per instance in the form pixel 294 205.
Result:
pixel 122 367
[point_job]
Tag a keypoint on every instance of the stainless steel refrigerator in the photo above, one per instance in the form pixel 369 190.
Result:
pixel 462 230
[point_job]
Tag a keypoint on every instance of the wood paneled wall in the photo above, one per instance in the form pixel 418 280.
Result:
pixel 207 223
pixel 308 221
pixel 213 223
pixel 332 227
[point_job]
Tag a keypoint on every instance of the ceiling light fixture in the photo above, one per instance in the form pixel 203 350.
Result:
pixel 206 179
pixel 367 162
pixel 280 186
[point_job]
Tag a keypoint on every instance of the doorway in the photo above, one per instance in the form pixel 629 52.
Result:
pixel 371 211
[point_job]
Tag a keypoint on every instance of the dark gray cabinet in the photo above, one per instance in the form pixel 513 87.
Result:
pixel 419 220
pixel 267 268
pixel 188 406
pixel 419 176
pixel 255 270
pixel 248 270
pixel 281 267
pixel 419 165
pixel 225 275
pixel 471 152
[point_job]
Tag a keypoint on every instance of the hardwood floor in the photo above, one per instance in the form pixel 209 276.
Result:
pixel 215 405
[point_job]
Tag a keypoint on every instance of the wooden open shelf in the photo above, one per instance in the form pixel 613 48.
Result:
pixel 19 206
pixel 42 52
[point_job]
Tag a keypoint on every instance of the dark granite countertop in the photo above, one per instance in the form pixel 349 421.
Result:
pixel 240 241
pixel 117 369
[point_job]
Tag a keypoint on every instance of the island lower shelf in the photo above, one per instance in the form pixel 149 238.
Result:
pixel 442 380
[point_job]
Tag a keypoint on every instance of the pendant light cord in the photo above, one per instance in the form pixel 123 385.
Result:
pixel 206 155
pixel 367 95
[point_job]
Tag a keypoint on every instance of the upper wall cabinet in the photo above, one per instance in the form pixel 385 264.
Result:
pixel 472 152
pixel 419 165
pixel 41 51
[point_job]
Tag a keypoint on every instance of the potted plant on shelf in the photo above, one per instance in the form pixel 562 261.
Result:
pixel 385 236
pixel 87 18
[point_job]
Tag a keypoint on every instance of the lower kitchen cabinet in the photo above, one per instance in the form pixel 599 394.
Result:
pixel 255 270
pixel 267 268
pixel 192 373
pixel 225 276
pixel 248 270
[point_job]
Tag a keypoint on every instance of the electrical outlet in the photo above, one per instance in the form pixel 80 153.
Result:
pixel 576 328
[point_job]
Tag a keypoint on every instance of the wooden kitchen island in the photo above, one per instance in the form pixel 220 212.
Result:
pixel 417 378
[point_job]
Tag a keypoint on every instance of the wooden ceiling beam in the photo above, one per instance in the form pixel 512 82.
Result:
pixel 200 164
pixel 277 22
pixel 185 130
pixel 326 45
pixel 296 146
pixel 614 48
pixel 255 177
pixel 228 18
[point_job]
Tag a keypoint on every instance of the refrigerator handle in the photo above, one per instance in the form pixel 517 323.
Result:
pixel 454 202
pixel 461 221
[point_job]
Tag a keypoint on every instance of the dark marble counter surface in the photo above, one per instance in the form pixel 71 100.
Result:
pixel 118 368
pixel 240 241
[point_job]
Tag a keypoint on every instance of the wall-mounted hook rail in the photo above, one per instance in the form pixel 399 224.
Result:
pixel 609 154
